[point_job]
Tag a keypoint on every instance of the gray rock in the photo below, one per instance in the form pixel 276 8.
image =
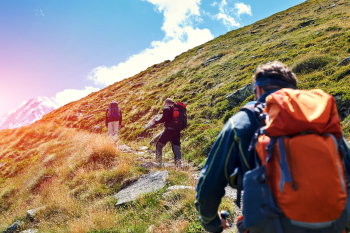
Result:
pixel 150 123
pixel 171 164
pixel 344 62
pixel 143 148
pixel 331 6
pixel 198 51
pixel 149 165
pixel 240 95
pixel 15 227
pixel 148 183
pixel 176 187
pixel 30 231
pixel 31 213
pixel 306 23
pixel 212 59
pixel 124 148
pixel 230 192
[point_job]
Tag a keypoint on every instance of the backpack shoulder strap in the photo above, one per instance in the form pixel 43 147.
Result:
pixel 257 109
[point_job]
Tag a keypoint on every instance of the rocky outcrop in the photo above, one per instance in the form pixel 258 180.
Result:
pixel 15 227
pixel 148 183
pixel 212 59
pixel 344 62
pixel 237 97
pixel 150 124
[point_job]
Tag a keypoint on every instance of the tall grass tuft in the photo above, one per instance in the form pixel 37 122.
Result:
pixel 311 63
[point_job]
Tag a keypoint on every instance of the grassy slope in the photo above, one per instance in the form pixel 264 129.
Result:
pixel 65 135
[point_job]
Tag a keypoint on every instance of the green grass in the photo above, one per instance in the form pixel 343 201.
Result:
pixel 65 153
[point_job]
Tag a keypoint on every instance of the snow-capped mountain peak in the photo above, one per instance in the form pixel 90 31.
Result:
pixel 27 113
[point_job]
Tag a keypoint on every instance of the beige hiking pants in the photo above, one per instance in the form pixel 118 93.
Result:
pixel 113 129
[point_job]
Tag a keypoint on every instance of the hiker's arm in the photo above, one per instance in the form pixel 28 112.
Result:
pixel 164 116
pixel 228 152
pixel 347 158
pixel 106 120
pixel 214 178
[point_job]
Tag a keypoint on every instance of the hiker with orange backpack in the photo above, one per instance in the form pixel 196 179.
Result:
pixel 174 119
pixel 287 152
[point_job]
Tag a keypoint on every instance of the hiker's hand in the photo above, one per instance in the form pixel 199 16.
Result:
pixel 224 222
pixel 153 122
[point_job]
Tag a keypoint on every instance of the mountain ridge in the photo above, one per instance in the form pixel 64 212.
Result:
pixel 27 113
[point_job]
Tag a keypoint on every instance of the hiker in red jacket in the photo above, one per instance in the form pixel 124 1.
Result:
pixel 169 135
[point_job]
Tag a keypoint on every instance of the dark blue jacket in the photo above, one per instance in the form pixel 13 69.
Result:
pixel 230 151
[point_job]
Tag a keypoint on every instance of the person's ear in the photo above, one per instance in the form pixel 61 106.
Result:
pixel 259 92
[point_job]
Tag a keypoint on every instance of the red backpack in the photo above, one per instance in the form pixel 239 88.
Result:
pixel 179 121
pixel 301 184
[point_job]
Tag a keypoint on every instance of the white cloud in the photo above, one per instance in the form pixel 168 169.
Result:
pixel 243 9
pixel 180 35
pixel 226 12
pixel 227 20
pixel 69 95
pixel 213 4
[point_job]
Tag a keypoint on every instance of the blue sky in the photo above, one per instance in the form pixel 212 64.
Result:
pixel 65 49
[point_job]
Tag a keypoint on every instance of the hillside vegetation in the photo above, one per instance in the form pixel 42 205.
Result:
pixel 67 163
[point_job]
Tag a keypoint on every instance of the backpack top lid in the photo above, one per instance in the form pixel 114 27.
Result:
pixel 292 112
pixel 113 107
pixel 181 104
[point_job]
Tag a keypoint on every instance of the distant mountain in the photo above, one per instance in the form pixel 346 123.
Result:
pixel 27 113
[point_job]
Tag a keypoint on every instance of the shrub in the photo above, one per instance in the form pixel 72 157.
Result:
pixel 333 28
pixel 311 63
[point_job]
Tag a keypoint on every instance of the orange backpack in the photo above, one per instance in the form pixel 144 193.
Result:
pixel 301 184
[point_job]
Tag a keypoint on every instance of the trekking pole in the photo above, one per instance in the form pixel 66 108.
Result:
pixel 153 144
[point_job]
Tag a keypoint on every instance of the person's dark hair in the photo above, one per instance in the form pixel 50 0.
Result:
pixel 275 70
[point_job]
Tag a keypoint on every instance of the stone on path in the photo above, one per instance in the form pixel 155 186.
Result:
pixel 148 183
pixel 176 187
pixel 124 148
pixel 15 227
pixel 230 192
pixel 30 231
pixel 143 148
pixel 149 165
